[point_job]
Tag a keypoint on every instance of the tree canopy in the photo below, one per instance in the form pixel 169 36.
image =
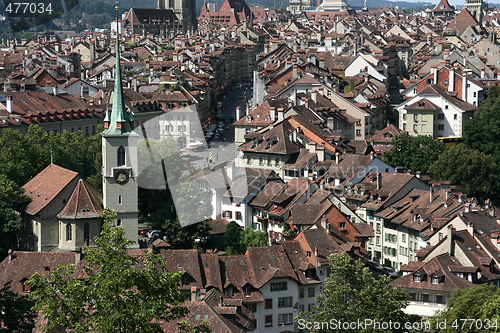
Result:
pixel 416 153
pixel 478 303
pixel 474 172
pixel 12 201
pixel 483 131
pixel 350 294
pixel 111 291
pixel 23 156
pixel 16 315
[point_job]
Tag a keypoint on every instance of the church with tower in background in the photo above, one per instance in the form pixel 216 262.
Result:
pixel 65 212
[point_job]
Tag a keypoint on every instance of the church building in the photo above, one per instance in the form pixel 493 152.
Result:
pixel 65 211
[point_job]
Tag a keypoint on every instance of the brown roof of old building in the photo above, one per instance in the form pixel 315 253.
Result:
pixel 82 204
pixel 45 186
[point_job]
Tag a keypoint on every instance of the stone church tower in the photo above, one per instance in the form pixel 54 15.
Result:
pixel 475 8
pixel 185 10
pixel 119 157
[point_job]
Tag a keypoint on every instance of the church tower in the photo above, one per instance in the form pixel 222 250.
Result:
pixel 119 156
pixel 475 8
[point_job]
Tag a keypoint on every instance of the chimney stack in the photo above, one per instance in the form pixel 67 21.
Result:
pixel 9 104
pixel 10 254
pixel 54 89
pixel 281 114
pixel 193 294
pixel 78 255
pixel 431 194
pixel 337 155
pixel 314 97
pixel 238 113
pixel 379 180
pixel 449 241
pixel 273 113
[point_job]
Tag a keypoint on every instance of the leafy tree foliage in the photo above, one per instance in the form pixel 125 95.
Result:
pixel 12 200
pixel 414 153
pixel 483 131
pixel 474 173
pixel 351 293
pixel 16 315
pixel 236 240
pixel 114 292
pixel 24 156
pixel 478 303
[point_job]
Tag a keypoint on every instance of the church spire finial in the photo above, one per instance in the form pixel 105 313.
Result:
pixel 119 120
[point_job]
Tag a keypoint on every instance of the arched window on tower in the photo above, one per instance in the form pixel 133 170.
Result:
pixel 86 233
pixel 69 232
pixel 121 156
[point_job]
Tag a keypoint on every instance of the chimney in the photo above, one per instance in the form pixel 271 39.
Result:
pixel 379 180
pixel 399 169
pixel 54 89
pixel 449 240
pixel 78 255
pixel 434 72
pixel 273 113
pixel 10 254
pixel 419 174
pixel 482 73
pixel 316 251
pixel 9 104
pixel 314 97
pixel 248 109
pixel 238 113
pixel 294 97
pixel 451 80
pixel 431 194
pixel 337 155
pixel 372 155
pixel 324 222
pixel 193 294
pixel 467 208
pixel 281 114
pixel 294 72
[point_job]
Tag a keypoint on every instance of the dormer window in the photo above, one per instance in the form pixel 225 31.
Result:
pixel 249 119
pixel 417 278
pixel 435 280
pixel 230 291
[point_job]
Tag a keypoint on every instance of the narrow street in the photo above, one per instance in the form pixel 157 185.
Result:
pixel 221 146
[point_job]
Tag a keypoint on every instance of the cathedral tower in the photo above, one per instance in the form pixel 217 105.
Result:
pixel 475 8
pixel 119 157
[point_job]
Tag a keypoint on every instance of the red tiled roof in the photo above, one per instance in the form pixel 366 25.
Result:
pixel 45 186
pixel 82 204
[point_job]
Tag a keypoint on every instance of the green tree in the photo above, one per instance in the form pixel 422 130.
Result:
pixel 23 156
pixel 474 173
pixel 483 131
pixel 414 153
pixel 16 315
pixel 253 238
pixel 12 201
pixel 472 303
pixel 351 293
pixel 112 291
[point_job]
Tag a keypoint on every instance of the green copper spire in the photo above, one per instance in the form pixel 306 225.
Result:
pixel 119 122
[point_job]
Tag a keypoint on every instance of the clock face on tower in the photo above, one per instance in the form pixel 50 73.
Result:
pixel 122 177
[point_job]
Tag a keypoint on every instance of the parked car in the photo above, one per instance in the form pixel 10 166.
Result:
pixel 151 233
pixel 389 271
pixel 374 265
pixel 144 231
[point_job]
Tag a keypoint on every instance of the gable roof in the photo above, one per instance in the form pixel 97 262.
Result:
pixel 82 204
pixel 45 186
